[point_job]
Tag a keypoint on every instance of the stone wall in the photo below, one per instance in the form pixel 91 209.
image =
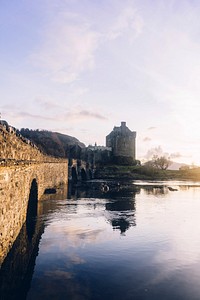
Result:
pixel 13 146
pixel 15 184
pixel 21 163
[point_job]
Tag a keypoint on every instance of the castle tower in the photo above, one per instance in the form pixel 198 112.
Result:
pixel 122 141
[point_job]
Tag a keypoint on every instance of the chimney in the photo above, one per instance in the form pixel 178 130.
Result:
pixel 123 124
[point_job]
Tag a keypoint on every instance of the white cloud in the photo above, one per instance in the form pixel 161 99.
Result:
pixel 69 115
pixel 154 151
pixel 68 49
pixel 70 41
pixel 128 21
pixel 152 128
pixel 146 139
pixel 175 155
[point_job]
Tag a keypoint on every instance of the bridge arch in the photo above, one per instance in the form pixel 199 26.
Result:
pixel 74 175
pixel 32 209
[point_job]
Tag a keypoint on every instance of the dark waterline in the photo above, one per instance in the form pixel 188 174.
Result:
pixel 133 242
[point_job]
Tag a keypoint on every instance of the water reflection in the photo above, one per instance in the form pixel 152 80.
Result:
pixel 61 194
pixel 91 247
pixel 158 191
pixel 17 269
pixel 122 213
pixel 93 189
pixel 121 204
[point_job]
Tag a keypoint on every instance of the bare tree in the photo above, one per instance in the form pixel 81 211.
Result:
pixel 161 162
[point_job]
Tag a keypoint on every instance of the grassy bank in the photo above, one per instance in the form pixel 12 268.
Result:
pixel 145 173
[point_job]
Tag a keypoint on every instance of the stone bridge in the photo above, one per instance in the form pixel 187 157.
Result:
pixel 21 186
pixel 25 175
pixel 80 170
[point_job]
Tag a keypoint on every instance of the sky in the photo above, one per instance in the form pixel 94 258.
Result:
pixel 80 67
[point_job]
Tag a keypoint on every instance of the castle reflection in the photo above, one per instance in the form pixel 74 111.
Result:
pixel 122 214
pixel 120 204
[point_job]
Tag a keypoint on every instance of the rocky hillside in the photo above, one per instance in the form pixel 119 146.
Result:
pixel 54 143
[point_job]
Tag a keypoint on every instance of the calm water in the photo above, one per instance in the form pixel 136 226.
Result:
pixel 137 241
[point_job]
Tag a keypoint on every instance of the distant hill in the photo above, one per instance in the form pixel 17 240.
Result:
pixel 54 143
pixel 177 166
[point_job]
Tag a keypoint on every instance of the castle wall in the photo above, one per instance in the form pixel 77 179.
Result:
pixel 124 146
pixel 122 141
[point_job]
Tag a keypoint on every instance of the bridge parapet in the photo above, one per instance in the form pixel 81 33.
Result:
pixel 14 146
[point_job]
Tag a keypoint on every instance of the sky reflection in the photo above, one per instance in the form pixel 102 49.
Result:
pixel 145 246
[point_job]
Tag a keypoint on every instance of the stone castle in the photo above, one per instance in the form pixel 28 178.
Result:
pixel 122 141
pixel 120 147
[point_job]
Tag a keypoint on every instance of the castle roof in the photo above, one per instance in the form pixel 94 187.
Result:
pixel 121 130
